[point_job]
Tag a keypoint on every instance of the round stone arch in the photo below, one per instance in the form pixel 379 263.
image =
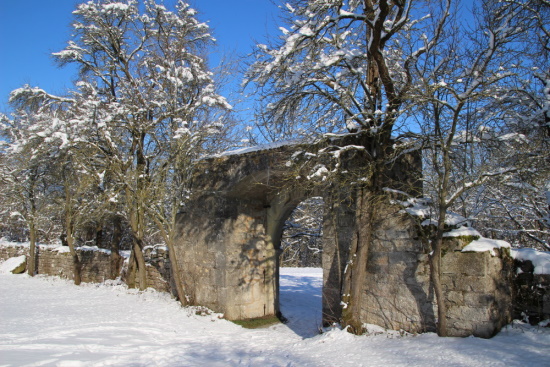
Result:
pixel 279 210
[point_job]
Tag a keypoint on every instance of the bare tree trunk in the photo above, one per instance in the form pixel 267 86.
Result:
pixel 138 225
pixel 77 266
pixel 356 274
pixel 116 259
pixel 31 263
pixel 176 273
pixel 70 237
pixel 131 274
pixel 435 270
pixel 139 261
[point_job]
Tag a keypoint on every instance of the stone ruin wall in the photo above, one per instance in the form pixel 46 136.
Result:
pixel 96 263
pixel 398 294
pixel 51 261
pixel 225 262
pixel 478 289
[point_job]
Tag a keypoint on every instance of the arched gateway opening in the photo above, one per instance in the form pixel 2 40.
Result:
pixel 300 267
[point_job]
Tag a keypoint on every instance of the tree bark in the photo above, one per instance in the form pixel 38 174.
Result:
pixel 435 270
pixel 356 274
pixel 115 258
pixel 140 264
pixel 131 274
pixel 77 266
pixel 138 225
pixel 31 264
pixel 176 273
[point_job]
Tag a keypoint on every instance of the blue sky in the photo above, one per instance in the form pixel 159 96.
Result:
pixel 30 30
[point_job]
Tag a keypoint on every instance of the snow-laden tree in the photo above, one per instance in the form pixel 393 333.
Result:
pixel 501 124
pixel 26 177
pixel 468 114
pixel 57 138
pixel 518 208
pixel 151 98
pixel 348 65
pixel 343 66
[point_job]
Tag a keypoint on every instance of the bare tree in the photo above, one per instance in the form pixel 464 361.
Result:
pixel 469 145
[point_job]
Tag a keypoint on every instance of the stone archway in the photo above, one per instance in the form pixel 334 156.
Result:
pixel 230 233
pixel 228 239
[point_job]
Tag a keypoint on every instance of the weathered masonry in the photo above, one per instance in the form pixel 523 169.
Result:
pixel 229 238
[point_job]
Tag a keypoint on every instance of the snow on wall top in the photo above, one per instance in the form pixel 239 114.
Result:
pixel 58 247
pixel 256 148
pixel 462 231
pixel 483 244
pixel 278 144
pixel 540 259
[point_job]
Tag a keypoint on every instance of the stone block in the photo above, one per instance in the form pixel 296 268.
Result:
pixel 466 263
pixel 402 257
pixel 378 258
pixel 206 295
pixel 454 297
pixel 465 283
pixel 479 299
pixel 469 314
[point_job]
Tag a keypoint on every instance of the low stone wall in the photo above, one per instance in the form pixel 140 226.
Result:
pixel 8 250
pixel 158 267
pixel 57 261
pixel 478 290
pixel 532 293
pixel 95 262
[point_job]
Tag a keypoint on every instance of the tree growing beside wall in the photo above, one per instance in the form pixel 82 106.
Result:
pixel 45 133
pixel 455 91
pixel 517 133
pixel 147 71
pixel 26 177
pixel 484 125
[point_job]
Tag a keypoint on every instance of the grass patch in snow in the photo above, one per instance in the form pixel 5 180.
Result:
pixel 259 322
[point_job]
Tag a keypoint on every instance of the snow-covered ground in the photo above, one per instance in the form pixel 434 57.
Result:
pixel 47 321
